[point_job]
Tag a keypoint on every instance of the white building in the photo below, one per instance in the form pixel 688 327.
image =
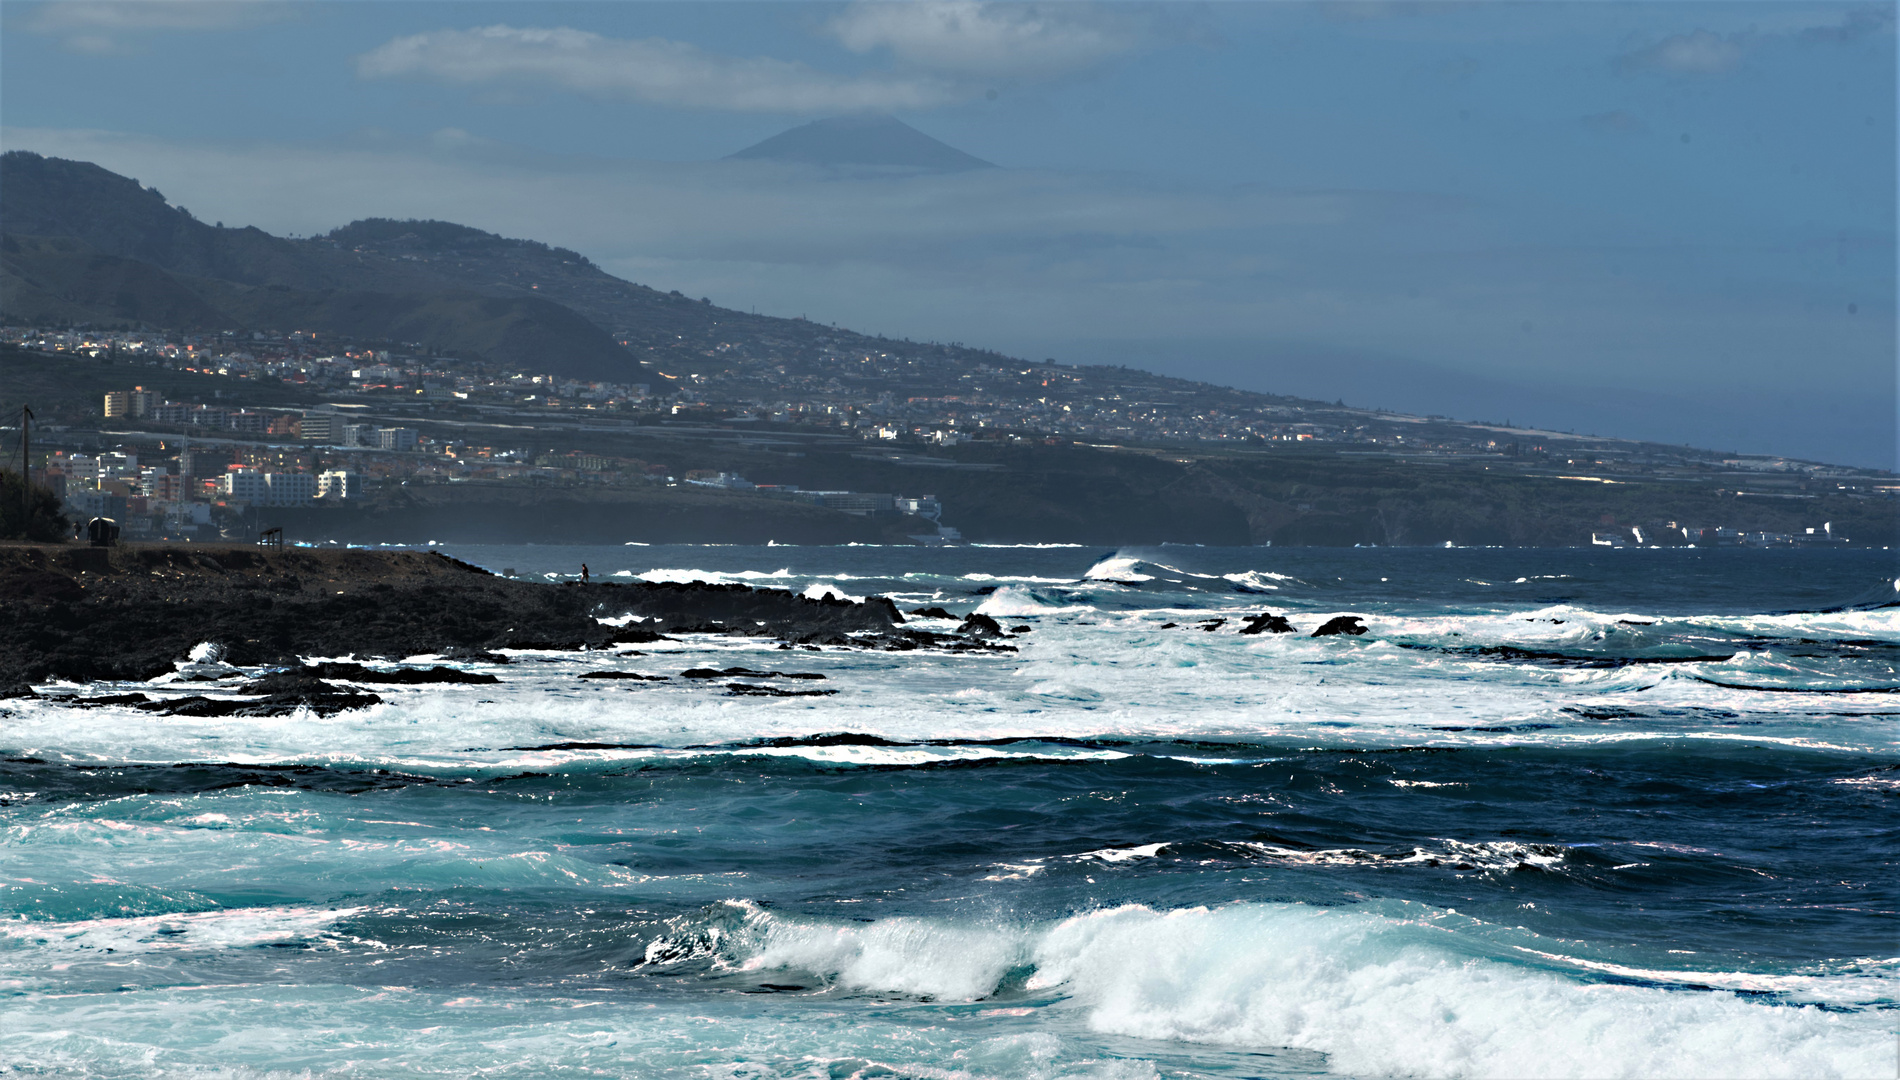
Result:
pixel 339 485
pixel 247 485
pixel 291 489
pixel 162 485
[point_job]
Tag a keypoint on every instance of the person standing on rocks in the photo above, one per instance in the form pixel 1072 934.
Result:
pixel 583 573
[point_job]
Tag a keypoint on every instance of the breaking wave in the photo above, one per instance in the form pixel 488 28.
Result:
pixel 1409 991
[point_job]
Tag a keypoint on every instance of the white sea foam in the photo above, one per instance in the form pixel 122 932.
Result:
pixel 1381 994
pixel 667 575
pixel 1083 673
pixel 1880 623
pixel 1483 855
pixel 1012 601
pixel 1257 580
pixel 1118 568
pixel 1385 999
pixel 928 958
pixel 821 590
pixel 1126 854
pixel 235 929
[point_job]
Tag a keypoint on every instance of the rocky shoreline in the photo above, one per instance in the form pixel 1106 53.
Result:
pixel 135 612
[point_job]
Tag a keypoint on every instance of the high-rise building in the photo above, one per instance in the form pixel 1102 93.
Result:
pixel 135 402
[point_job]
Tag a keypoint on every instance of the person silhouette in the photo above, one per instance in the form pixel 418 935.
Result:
pixel 583 572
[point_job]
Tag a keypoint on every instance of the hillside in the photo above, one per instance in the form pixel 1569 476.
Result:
pixel 1017 450
pixel 64 280
pixel 730 353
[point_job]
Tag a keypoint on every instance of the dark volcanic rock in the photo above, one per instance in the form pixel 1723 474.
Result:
pixel 134 611
pixel 103 699
pixel 977 624
pixel 932 613
pixel 405 676
pixel 636 635
pixel 744 673
pixel 624 675
pixel 292 684
pixel 748 689
pixel 1341 624
pixel 1267 623
pixel 38 583
pixel 283 693
pixel 476 656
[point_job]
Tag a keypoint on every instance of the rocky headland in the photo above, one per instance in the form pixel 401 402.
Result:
pixel 135 612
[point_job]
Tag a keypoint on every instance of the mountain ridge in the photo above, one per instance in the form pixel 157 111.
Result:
pixel 658 332
pixel 84 244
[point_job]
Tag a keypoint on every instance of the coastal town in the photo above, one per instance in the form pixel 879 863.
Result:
pixel 344 421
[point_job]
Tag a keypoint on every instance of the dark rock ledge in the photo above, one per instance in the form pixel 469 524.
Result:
pixel 133 612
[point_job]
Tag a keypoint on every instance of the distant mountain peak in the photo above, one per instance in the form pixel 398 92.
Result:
pixel 876 141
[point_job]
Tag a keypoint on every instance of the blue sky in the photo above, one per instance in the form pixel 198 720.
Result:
pixel 1668 221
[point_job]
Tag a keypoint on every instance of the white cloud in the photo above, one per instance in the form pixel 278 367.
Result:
pixel 1700 52
pixel 973 37
pixel 104 26
pixel 753 212
pixel 1705 52
pixel 651 70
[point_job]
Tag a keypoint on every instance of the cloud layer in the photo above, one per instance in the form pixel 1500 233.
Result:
pixel 945 51
pixel 986 39
pixel 104 26
pixel 1705 52
pixel 651 70
pixel 1698 53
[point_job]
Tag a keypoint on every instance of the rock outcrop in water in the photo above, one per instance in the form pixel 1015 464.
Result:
pixel 1268 623
pixel 280 694
pixel 1340 624
pixel 133 612
pixel 977 624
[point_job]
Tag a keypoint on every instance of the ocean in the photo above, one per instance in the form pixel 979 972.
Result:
pixel 1556 813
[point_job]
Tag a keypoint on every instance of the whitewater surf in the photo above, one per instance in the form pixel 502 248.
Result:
pixel 1555 813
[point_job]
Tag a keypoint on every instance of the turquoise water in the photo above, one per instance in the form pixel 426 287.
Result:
pixel 1557 813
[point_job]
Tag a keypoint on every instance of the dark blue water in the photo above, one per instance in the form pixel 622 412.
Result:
pixel 1565 813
